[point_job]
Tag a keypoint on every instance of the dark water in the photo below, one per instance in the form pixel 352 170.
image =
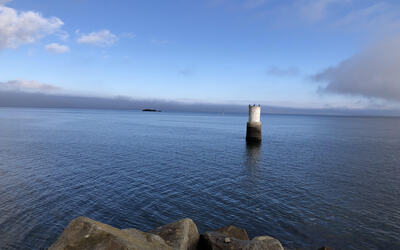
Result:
pixel 314 180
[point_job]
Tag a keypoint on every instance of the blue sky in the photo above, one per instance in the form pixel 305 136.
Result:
pixel 289 53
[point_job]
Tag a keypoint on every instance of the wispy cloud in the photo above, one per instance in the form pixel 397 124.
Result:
pixel 381 17
pixel 23 27
pixel 28 86
pixel 3 2
pixel 276 71
pixel 314 10
pixel 375 72
pixel 352 15
pixel 186 71
pixel 159 42
pixel 57 48
pixel 251 4
pixel 63 35
pixel 102 38
pixel 129 35
pixel 245 4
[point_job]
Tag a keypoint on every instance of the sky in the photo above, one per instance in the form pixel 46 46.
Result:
pixel 295 54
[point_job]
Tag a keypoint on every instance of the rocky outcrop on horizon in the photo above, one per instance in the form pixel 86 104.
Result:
pixel 84 233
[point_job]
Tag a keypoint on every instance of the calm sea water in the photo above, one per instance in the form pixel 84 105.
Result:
pixel 314 180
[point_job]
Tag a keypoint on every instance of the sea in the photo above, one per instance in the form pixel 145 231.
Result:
pixel 313 181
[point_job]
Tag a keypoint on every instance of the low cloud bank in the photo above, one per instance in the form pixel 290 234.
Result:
pixel 374 73
pixel 44 100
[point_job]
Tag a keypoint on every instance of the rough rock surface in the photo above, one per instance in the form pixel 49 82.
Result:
pixel 84 233
pixel 217 241
pixel 234 232
pixel 264 242
pixel 180 235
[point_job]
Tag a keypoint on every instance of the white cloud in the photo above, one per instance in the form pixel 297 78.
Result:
pixel 28 86
pixel 375 72
pixel 101 38
pixel 57 48
pixel 22 27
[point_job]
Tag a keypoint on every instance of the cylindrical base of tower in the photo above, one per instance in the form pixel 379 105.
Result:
pixel 253 133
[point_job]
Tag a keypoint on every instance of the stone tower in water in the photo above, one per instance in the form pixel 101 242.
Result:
pixel 253 133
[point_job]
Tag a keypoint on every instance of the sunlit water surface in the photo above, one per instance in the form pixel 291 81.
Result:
pixel 314 181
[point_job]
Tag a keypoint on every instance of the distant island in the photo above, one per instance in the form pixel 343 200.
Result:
pixel 151 110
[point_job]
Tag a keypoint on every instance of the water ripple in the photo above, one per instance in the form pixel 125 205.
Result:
pixel 314 180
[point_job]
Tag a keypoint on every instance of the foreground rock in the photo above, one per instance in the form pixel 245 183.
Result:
pixel 216 240
pixel 234 238
pixel 179 235
pixel 234 232
pixel 265 242
pixel 83 233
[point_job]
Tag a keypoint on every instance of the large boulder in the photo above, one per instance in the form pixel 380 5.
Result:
pixel 180 235
pixel 227 238
pixel 219 241
pixel 83 233
pixel 234 232
pixel 264 243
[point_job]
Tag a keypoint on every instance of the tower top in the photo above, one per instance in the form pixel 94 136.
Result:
pixel 254 113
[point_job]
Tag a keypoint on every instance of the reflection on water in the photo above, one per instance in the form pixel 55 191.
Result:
pixel 253 154
pixel 252 162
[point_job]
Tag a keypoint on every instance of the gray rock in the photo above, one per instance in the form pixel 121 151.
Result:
pixel 264 242
pixel 180 235
pixel 83 233
pixel 216 241
pixel 234 232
